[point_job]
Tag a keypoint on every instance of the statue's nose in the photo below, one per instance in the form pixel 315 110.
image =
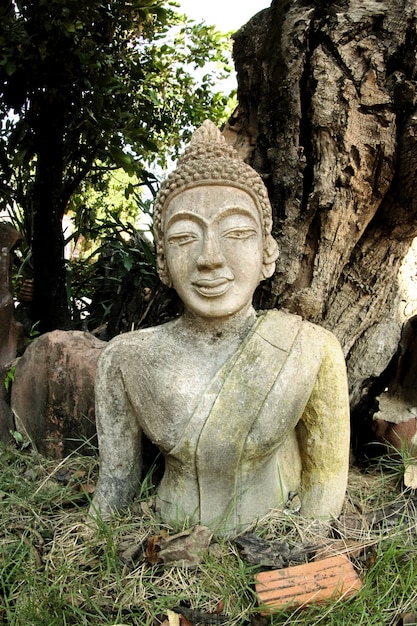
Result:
pixel 211 253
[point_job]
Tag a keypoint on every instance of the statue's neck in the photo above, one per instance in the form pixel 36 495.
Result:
pixel 235 327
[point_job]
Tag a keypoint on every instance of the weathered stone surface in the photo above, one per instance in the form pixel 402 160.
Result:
pixel 395 420
pixel 398 435
pixel 11 332
pixel 246 408
pixel 53 392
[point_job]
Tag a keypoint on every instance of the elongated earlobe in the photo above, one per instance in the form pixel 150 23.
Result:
pixel 271 253
pixel 162 266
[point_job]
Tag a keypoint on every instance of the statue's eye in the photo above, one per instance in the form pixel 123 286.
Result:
pixel 182 239
pixel 240 233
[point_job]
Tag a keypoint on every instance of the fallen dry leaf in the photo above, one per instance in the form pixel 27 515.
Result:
pixel 78 474
pixel 193 616
pixel 153 548
pixel 220 607
pixel 410 476
pixel 86 488
pixel 407 619
pixel 173 618
pixel 132 555
pixel 184 549
pixel 333 547
pixel 275 553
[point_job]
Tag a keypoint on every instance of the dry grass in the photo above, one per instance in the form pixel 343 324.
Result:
pixel 58 568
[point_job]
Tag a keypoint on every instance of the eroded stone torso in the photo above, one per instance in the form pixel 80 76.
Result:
pixel 166 370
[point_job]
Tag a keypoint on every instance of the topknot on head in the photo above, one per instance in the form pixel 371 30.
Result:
pixel 207 133
pixel 207 142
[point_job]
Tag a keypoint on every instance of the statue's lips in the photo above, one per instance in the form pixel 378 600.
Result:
pixel 212 287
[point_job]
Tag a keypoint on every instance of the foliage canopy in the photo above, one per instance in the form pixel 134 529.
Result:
pixel 88 85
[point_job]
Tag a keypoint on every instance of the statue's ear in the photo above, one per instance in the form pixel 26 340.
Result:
pixel 267 271
pixel 163 269
pixel 271 253
pixel 166 279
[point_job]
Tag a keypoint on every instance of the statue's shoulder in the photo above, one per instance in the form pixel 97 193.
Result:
pixel 282 322
pixel 280 316
pixel 278 320
pixel 144 341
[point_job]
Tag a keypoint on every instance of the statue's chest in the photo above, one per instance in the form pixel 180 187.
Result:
pixel 166 391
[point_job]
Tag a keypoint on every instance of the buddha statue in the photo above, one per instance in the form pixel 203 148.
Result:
pixel 246 407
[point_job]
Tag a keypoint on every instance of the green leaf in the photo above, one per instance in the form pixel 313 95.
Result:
pixel 90 87
pixel 9 378
pixel 128 263
pixel 10 68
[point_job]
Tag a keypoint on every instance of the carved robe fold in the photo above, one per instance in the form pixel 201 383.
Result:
pixel 226 453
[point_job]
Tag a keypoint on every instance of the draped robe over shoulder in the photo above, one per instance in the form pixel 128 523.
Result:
pixel 254 434
pixel 221 462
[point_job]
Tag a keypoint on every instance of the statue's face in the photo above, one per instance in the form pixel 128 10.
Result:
pixel 214 249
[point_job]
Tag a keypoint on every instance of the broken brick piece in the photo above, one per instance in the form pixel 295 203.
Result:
pixel 311 583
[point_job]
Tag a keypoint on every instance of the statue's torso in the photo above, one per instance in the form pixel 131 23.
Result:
pixel 168 375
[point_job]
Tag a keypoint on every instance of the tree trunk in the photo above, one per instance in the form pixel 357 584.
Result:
pixel 50 303
pixel 327 115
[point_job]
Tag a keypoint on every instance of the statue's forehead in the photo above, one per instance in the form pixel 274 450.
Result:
pixel 209 200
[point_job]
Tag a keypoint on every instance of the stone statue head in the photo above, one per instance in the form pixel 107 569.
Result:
pixel 210 161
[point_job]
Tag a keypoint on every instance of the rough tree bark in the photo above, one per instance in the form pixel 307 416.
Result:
pixel 327 114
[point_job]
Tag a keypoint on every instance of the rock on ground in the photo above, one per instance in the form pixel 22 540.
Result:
pixel 53 392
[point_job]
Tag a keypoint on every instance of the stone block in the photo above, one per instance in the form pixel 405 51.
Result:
pixel 53 392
